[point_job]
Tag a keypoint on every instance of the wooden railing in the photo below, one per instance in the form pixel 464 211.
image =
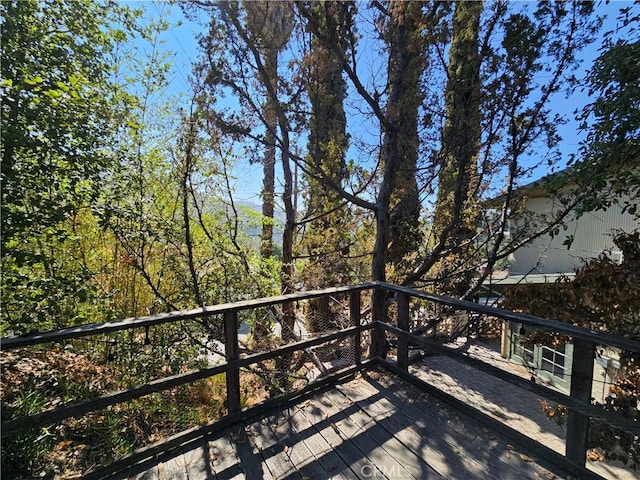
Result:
pixel 396 328
pixel 578 401
pixel 231 367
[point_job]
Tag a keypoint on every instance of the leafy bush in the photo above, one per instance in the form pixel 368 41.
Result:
pixel 604 296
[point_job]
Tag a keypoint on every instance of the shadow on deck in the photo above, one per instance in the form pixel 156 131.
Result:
pixel 372 426
pixel 358 417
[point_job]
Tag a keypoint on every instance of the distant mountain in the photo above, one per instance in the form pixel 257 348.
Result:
pixel 250 214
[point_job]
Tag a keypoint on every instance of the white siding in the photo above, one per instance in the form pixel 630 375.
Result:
pixel 592 235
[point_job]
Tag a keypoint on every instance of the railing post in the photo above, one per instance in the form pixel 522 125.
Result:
pixel 232 353
pixel 354 314
pixel 403 324
pixel 581 383
pixel 378 347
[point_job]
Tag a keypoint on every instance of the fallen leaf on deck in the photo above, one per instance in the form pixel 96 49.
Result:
pixel 526 458
pixel 594 455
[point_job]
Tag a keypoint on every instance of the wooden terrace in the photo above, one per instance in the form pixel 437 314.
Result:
pixel 372 415
pixel 372 426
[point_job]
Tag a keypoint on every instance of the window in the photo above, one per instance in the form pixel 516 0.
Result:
pixel 551 364
pixel 553 360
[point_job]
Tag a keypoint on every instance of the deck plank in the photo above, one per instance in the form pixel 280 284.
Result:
pixel 273 454
pixel 434 445
pixel 388 455
pixel 378 452
pixel 331 462
pixel 465 435
pixel 172 466
pixel 299 454
pixel 249 460
pixel 439 454
pixel 196 460
pixel 222 457
pixel 319 414
pixel 375 426
pixel 151 474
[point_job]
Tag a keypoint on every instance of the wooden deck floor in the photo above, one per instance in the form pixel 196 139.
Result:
pixel 374 426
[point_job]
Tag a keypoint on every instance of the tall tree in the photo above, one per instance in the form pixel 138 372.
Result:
pixel 457 210
pixel 518 135
pixel 398 122
pixel 326 235
pixel 270 23
pixel 495 118
pixel 235 65
pixel 500 108
pixel 395 202
pixel 400 145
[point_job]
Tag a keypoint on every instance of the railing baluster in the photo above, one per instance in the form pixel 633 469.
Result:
pixel 582 366
pixel 378 347
pixel 232 353
pixel 354 313
pixel 581 383
pixel 403 324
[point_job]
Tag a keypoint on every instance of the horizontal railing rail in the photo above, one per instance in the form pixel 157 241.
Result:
pixel 183 438
pixel 578 401
pixel 582 371
pixel 35 338
pixel 78 409
pixel 606 338
pixel 614 419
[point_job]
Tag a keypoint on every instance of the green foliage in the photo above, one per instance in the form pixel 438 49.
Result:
pixel 113 205
pixel 59 107
pixel 607 169
pixel 21 456
pixel 88 147
pixel 180 230
pixel 604 296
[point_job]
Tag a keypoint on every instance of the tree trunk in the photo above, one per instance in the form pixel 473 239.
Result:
pixel 269 162
pixel 398 206
pixel 326 237
pixel 400 147
pixel 457 212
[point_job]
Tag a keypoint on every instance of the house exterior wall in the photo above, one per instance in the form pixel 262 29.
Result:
pixel 606 366
pixel 591 232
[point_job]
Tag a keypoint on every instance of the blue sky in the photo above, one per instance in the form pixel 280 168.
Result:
pixel 181 41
